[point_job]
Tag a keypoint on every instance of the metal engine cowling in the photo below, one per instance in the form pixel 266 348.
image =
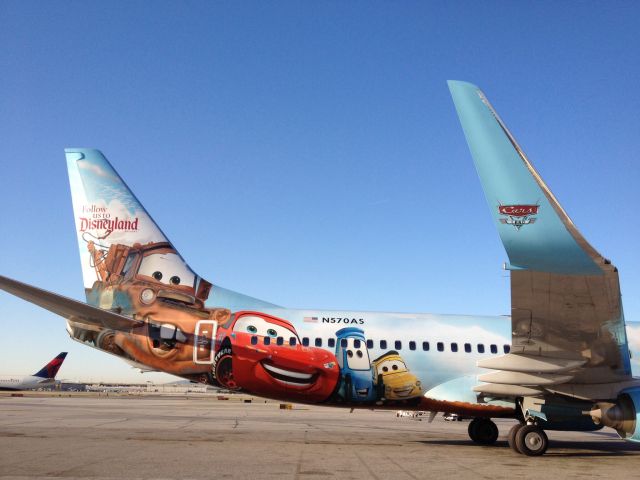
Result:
pixel 623 415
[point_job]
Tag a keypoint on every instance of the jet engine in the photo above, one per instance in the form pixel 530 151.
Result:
pixel 623 415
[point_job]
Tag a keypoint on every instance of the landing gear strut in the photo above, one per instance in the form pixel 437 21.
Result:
pixel 527 437
pixel 483 431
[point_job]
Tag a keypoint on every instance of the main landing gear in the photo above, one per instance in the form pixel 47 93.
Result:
pixel 483 431
pixel 529 440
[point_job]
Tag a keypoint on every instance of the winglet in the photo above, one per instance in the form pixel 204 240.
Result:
pixel 535 230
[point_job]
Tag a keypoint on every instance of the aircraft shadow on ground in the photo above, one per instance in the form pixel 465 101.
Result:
pixel 560 448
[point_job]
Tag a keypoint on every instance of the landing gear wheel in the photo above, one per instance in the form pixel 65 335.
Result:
pixel 531 441
pixel 511 438
pixel 483 431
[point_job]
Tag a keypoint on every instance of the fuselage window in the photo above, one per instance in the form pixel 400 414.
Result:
pixel 279 341
pixel 254 340
pixel 412 345
pixel 494 349
pixel 425 346
pixel 383 344
pixel 369 344
pixel 398 345
pixel 267 340
pixel 331 342
pixel 292 341
pixel 318 342
pixel 454 347
pixel 480 348
pixel 440 346
pixel 305 341
pixel 506 348
pixel 344 343
pixel 467 347
pixel 356 343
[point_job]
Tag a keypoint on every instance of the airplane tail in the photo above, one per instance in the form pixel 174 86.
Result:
pixel 109 218
pixel 50 370
pixel 119 242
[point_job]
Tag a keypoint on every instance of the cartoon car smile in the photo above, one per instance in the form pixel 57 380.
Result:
pixel 291 378
pixel 391 372
pixel 263 355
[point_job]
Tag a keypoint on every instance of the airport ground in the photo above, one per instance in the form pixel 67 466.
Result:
pixel 107 437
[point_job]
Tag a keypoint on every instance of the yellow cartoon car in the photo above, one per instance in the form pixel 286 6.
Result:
pixel 391 372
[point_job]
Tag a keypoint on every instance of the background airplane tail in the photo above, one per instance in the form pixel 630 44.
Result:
pixel 50 370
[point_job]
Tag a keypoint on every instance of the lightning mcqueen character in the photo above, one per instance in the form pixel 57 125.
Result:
pixel 263 355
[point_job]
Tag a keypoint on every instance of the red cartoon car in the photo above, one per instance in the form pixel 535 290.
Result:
pixel 262 354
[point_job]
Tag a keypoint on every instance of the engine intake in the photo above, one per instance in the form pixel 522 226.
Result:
pixel 623 415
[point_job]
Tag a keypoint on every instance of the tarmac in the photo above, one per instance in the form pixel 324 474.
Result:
pixel 196 437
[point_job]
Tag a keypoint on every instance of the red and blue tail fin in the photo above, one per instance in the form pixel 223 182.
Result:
pixel 50 370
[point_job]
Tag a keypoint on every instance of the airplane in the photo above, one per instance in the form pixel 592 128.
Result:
pixel 560 361
pixel 45 377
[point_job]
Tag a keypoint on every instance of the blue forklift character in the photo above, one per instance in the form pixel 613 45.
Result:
pixel 356 377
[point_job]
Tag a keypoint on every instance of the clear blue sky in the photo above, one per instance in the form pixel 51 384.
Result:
pixel 308 153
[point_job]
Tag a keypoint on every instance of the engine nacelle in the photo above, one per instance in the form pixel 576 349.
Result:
pixel 623 415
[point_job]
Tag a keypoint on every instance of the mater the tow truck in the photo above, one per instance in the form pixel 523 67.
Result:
pixel 151 282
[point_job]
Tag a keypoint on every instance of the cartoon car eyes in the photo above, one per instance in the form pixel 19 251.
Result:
pixel 260 327
pixel 174 280
pixel 167 268
pixel 391 366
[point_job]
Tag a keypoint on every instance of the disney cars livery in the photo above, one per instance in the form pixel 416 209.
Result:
pixel 565 361
pixel 356 378
pixel 263 354
pixel 394 380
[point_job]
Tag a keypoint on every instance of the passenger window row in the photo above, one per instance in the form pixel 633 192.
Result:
pixel 384 345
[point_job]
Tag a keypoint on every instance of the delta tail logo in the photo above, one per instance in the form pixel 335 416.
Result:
pixel 518 215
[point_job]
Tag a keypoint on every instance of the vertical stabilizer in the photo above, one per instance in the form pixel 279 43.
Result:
pixel 106 213
pixel 121 245
pixel 50 370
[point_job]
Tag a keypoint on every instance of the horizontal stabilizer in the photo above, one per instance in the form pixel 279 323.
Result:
pixel 66 307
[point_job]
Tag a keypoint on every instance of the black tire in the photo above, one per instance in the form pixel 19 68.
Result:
pixel 483 431
pixel 222 368
pixel 532 441
pixel 511 438
pixel 471 428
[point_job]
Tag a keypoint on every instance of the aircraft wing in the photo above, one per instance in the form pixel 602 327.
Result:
pixel 73 310
pixel 566 312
